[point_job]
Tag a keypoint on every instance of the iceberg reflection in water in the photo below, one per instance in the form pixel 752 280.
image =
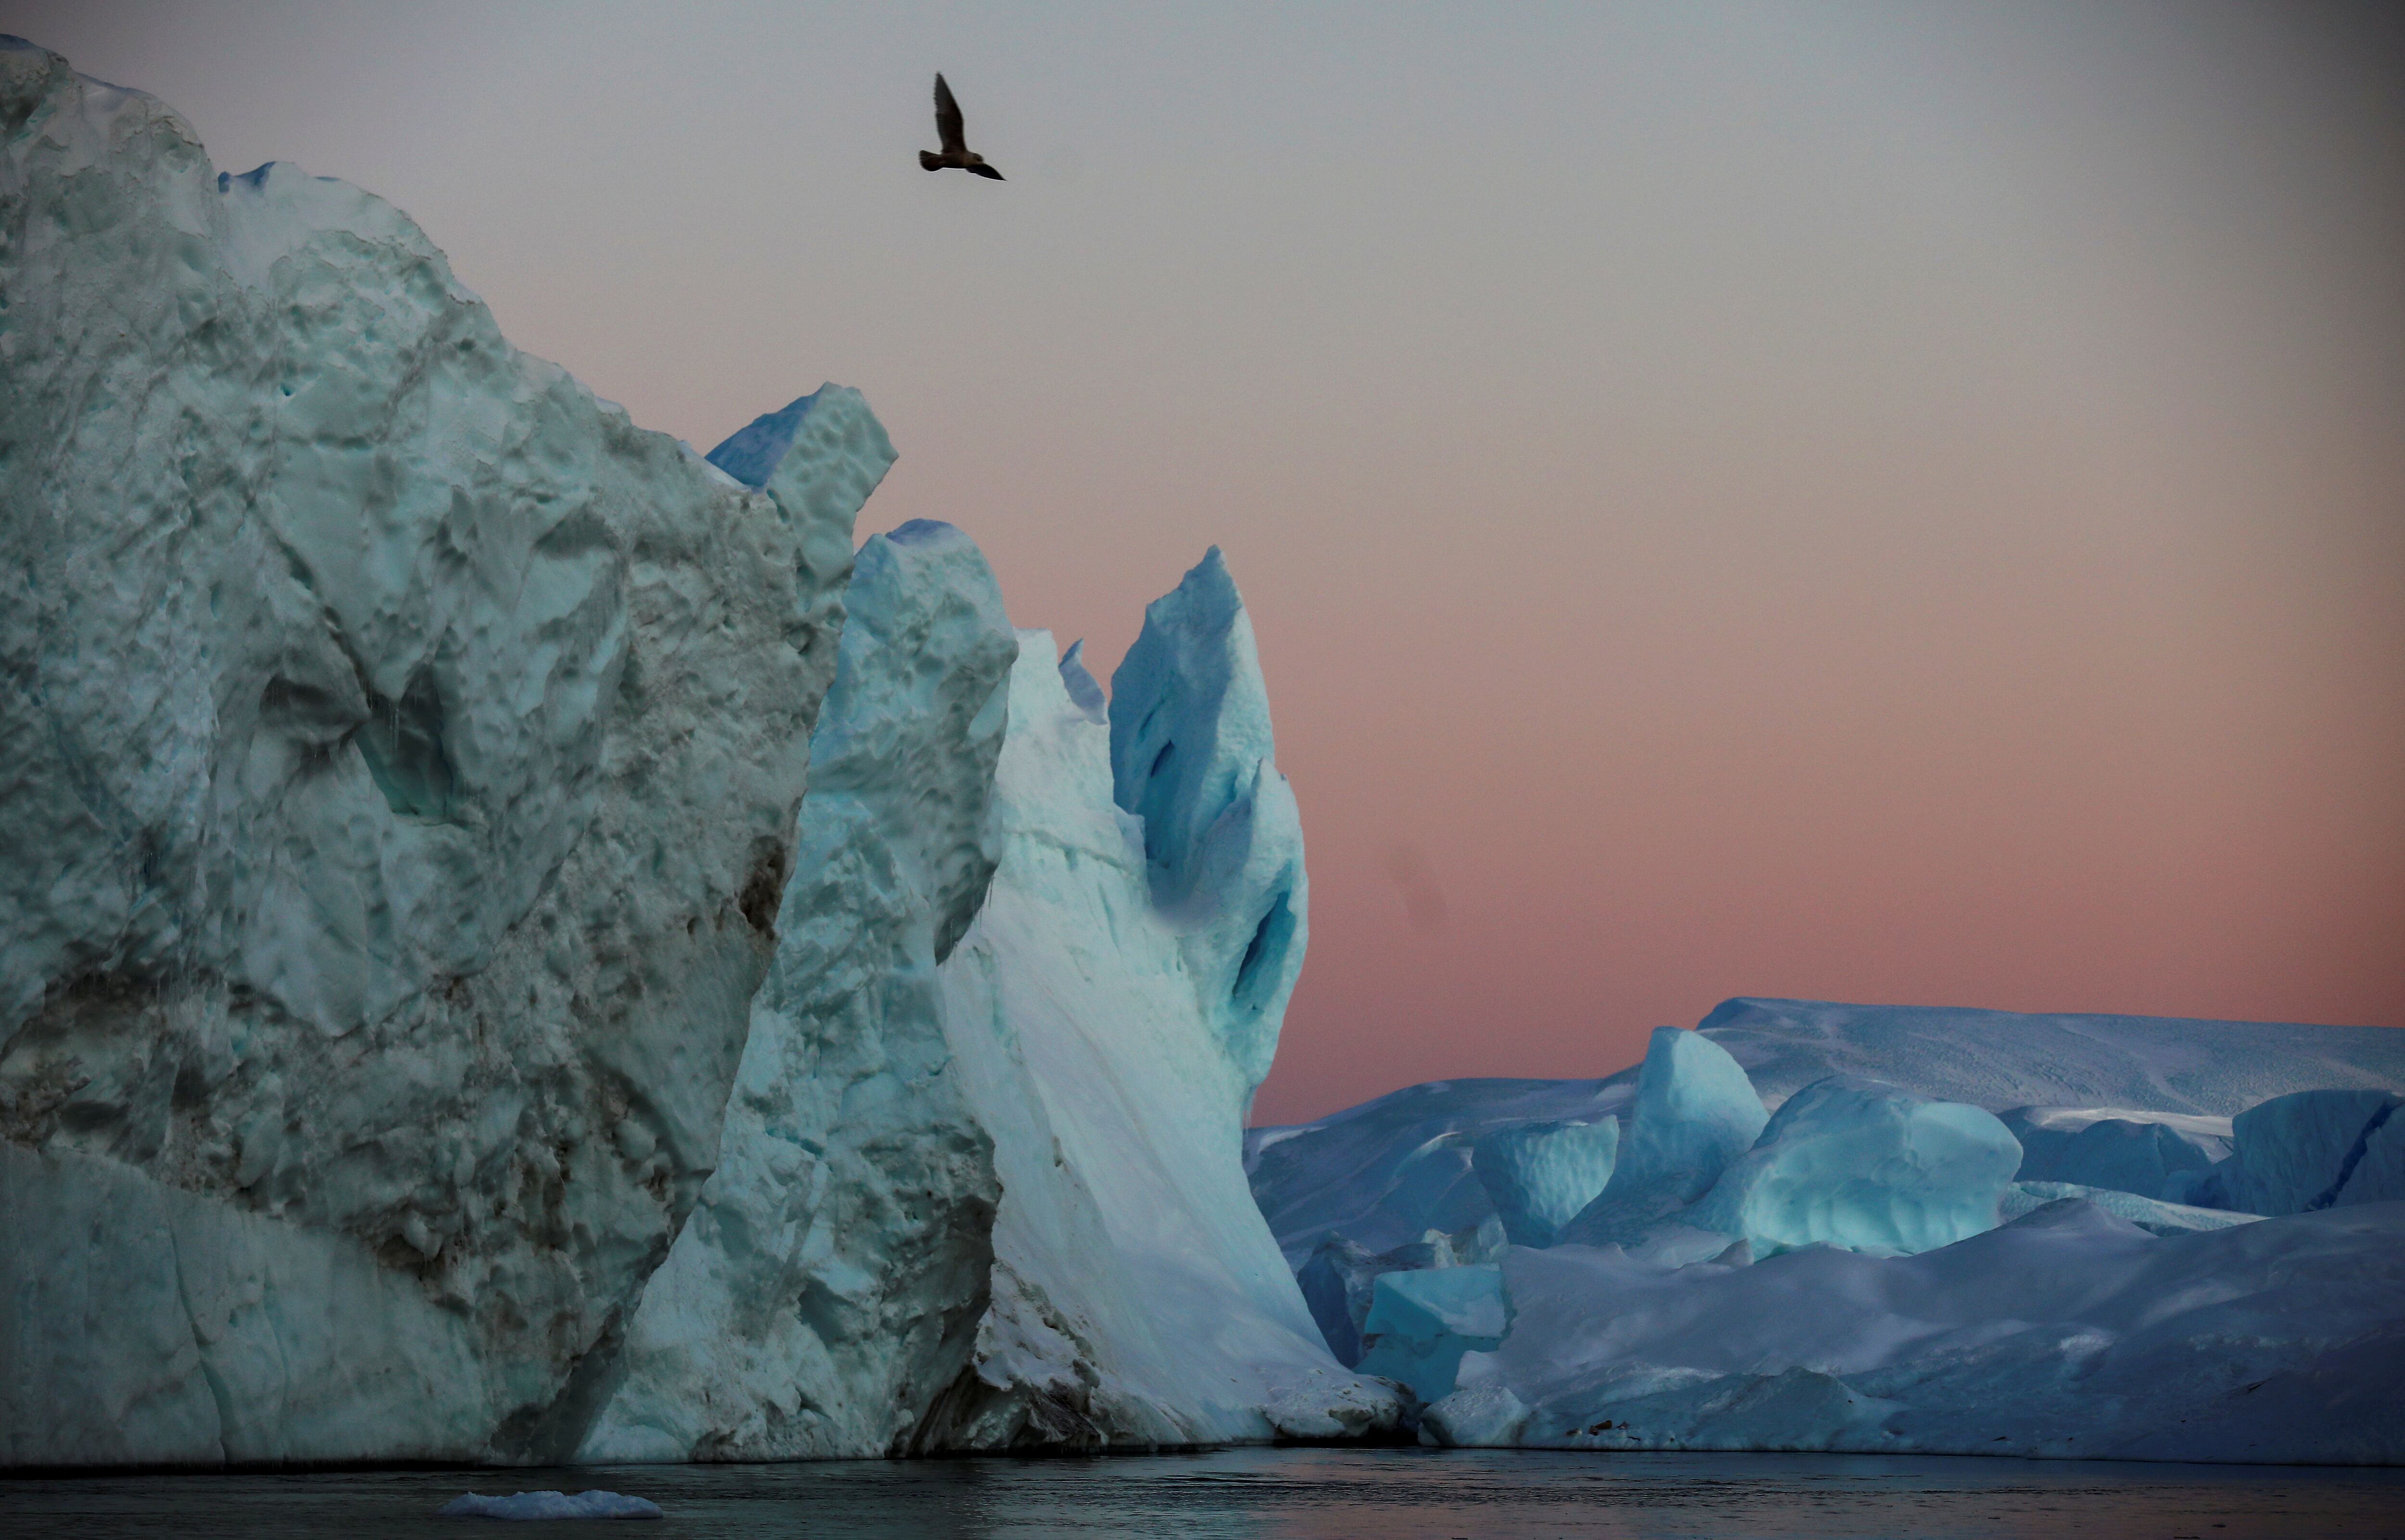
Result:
pixel 1318 1493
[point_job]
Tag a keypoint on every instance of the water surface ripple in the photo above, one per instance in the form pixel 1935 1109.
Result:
pixel 1309 1493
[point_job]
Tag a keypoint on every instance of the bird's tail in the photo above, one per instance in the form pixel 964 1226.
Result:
pixel 929 159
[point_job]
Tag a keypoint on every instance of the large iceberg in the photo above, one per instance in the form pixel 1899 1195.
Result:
pixel 435 1024
pixel 402 753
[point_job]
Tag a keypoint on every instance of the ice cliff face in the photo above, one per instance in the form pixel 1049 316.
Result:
pixel 830 1282
pixel 401 753
pixel 1138 1299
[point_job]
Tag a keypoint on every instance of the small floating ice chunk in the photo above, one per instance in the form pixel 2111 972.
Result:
pixel 551 1505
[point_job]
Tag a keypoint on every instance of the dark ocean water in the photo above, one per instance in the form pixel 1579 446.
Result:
pixel 1324 1494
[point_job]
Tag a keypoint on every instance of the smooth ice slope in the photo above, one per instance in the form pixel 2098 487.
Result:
pixel 830 1280
pixel 1694 1113
pixel 1540 1175
pixel 1138 1299
pixel 2069 1333
pixel 402 752
pixel 1858 1165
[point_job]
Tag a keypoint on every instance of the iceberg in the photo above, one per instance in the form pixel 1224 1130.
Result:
pixel 1693 1113
pixel 2149 1154
pixel 1386 1172
pixel 1340 1280
pixel 403 754
pixel 1952 1303
pixel 830 1280
pixel 1855 1164
pixel 550 1505
pixel 1540 1175
pixel 2296 1153
pixel 1389 1170
pixel 1422 1322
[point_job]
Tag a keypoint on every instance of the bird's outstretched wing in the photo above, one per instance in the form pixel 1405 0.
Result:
pixel 949 126
pixel 983 170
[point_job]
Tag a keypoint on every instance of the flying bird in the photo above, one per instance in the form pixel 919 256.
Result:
pixel 954 134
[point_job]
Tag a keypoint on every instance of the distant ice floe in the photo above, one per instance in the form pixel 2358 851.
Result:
pixel 595 1504
pixel 1862 1262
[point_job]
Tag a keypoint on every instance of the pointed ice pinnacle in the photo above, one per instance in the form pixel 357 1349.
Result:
pixel 1192 755
pixel 1084 693
pixel 818 456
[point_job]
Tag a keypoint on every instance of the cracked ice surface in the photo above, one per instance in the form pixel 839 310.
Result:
pixel 829 1281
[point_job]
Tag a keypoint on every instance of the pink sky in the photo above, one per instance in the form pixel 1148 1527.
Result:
pixel 1863 502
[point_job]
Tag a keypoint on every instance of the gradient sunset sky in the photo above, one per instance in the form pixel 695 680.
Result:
pixel 1869 502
